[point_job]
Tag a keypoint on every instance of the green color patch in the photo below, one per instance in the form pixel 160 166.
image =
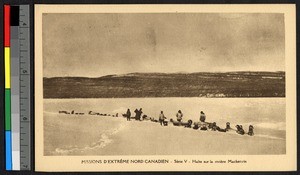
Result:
pixel 7 110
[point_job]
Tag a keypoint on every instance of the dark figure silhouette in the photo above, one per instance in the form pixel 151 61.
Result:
pixel 128 114
pixel 228 126
pixel 179 116
pixel 162 118
pixel 202 116
pixel 138 114
pixel 251 132
pixel 240 129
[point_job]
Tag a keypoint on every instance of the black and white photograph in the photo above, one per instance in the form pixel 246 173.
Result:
pixel 174 83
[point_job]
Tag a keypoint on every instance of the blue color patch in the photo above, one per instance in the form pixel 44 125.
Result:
pixel 8 150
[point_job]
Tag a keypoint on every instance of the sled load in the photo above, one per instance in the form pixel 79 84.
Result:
pixel 187 124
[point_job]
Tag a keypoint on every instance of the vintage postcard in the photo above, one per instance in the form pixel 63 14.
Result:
pixel 165 88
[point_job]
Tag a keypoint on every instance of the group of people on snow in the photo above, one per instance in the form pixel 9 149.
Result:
pixel 202 125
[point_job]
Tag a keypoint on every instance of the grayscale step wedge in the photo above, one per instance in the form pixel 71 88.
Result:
pixel 25 113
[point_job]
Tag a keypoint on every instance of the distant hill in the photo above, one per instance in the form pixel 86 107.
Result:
pixel 203 84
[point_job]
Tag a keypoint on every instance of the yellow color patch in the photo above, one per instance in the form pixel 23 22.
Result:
pixel 7 67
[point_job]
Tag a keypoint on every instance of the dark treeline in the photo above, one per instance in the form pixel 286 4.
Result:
pixel 230 84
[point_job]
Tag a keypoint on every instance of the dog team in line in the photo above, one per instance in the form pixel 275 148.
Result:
pixel 202 124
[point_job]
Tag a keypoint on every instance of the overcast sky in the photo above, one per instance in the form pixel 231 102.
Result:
pixel 93 45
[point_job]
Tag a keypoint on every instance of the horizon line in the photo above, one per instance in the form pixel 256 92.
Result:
pixel 181 72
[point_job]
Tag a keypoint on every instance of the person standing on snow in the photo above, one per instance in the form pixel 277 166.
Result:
pixel 161 118
pixel 179 116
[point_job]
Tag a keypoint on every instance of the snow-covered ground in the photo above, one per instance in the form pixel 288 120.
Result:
pixel 70 134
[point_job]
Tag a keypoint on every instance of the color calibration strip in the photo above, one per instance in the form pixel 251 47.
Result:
pixel 8 146
pixel 17 87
